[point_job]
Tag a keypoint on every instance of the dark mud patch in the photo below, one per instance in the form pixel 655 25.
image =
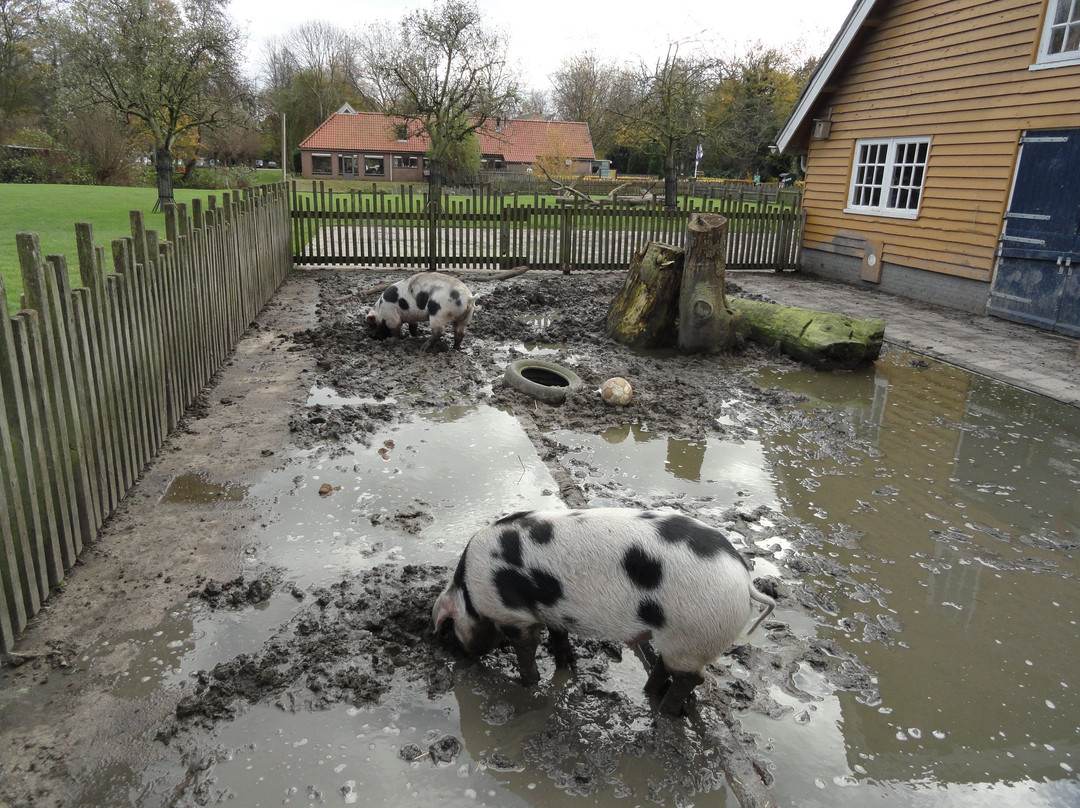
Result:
pixel 368 639
pixel 235 593
pixel 674 393
pixel 346 645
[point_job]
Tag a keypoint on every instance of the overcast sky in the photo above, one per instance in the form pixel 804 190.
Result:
pixel 543 32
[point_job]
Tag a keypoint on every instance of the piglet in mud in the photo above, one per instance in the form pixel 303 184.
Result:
pixel 612 573
pixel 433 296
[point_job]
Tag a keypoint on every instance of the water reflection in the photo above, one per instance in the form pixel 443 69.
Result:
pixel 199 489
pixel 414 493
pixel 951 500
pixel 632 459
pixel 963 493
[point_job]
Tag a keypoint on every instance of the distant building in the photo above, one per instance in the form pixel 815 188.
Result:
pixel 373 146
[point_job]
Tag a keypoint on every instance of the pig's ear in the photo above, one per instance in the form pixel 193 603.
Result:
pixel 445 607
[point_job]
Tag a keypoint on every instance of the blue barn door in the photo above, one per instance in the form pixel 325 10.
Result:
pixel 1037 279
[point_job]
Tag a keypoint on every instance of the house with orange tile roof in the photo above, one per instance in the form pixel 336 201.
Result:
pixel 373 146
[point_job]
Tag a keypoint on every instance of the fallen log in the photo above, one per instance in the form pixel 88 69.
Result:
pixel 825 340
pixel 644 313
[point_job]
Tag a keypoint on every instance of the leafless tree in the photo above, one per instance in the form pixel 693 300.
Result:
pixel 667 108
pixel 20 66
pixel 443 71
pixel 306 75
pixel 584 88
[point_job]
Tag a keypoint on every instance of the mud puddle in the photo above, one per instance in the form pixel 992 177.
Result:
pixel 917 524
pixel 409 493
pixel 952 544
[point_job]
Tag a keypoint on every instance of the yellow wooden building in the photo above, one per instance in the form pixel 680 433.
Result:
pixel 941 146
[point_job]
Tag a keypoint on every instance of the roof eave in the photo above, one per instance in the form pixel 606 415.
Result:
pixel 797 120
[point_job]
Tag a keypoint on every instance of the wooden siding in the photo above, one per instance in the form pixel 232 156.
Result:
pixel 957 72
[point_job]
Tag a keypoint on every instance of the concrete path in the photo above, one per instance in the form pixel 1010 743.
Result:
pixel 1020 355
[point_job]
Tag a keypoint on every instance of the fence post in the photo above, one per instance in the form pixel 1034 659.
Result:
pixel 565 217
pixel 61 399
pixel 504 238
pixel 434 202
pixel 24 583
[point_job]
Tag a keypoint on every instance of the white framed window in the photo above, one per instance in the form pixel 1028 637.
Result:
pixel 406 161
pixel 321 164
pixel 887 176
pixel 1060 42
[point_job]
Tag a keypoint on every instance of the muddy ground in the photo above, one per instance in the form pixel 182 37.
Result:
pixel 360 640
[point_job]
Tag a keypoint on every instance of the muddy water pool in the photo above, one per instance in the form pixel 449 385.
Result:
pixel 940 516
pixel 959 525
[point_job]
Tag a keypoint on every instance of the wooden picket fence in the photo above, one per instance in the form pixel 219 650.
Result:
pixel 500 231
pixel 94 378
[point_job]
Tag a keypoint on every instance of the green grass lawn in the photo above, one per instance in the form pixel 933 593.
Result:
pixel 51 211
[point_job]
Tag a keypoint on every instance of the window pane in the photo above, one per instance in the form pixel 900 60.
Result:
pixel 1064 32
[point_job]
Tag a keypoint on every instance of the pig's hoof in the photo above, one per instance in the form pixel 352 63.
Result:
pixel 544 381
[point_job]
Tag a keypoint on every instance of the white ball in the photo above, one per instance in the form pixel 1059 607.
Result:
pixel 616 391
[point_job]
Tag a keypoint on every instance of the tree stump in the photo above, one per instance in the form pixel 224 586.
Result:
pixel 643 314
pixel 825 340
pixel 707 324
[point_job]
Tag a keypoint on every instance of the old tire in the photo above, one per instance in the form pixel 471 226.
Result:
pixel 544 381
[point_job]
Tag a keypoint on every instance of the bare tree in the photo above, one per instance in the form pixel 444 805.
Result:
pixel 306 75
pixel 327 66
pixel 20 67
pixel 532 104
pixel 444 72
pixel 586 89
pixel 667 109
pixel 168 67
pixel 106 144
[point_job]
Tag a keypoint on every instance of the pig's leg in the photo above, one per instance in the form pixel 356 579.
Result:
pixel 559 641
pixel 437 329
pixel 525 642
pixel 682 686
pixel 658 677
pixel 459 333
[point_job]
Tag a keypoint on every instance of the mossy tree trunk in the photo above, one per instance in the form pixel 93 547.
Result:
pixel 643 314
pixel 671 298
pixel 707 324
pixel 823 339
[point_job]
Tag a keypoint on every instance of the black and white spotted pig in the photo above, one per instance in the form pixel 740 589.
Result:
pixel 442 299
pixel 613 573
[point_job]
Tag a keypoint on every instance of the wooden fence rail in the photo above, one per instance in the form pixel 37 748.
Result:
pixel 92 379
pixel 499 231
